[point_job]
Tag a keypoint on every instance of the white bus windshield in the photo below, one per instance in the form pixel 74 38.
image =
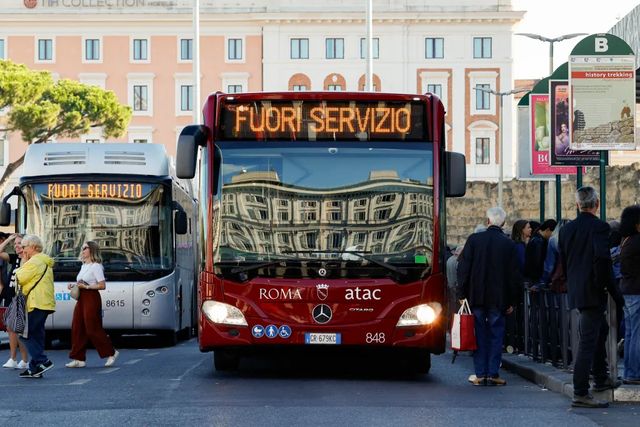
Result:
pixel 131 221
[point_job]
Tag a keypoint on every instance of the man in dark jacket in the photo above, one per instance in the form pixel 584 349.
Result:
pixel 536 251
pixel 488 278
pixel 584 251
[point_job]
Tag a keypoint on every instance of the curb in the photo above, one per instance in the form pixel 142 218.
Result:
pixel 561 381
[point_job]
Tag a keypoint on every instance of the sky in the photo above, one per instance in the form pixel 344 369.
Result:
pixel 553 18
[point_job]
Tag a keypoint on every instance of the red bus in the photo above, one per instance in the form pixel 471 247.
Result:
pixel 321 222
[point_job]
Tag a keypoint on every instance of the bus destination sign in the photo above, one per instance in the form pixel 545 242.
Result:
pixel 323 120
pixel 111 190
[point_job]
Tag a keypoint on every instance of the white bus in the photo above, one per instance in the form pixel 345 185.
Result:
pixel 125 197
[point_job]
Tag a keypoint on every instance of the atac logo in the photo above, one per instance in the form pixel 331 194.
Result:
pixel 322 290
pixel 30 4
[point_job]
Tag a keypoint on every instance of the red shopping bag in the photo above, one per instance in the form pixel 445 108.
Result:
pixel 463 334
pixel 3 327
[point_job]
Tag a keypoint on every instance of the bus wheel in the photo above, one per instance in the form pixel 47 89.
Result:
pixel 225 360
pixel 169 338
pixel 420 361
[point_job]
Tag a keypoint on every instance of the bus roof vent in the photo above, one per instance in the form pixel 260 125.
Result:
pixel 135 158
pixel 60 158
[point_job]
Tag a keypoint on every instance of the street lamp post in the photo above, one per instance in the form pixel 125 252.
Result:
pixel 501 149
pixel 551 41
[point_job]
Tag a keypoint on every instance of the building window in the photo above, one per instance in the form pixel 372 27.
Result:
pixel 234 49
pixel 376 48
pixel 360 215
pixel 92 49
pixel 360 238
pixel 140 49
pixel 2 49
pixel 483 100
pixel 234 88
pixel 433 48
pixel 334 241
pixel 186 98
pixel 140 98
pixel 335 48
pixel 482 151
pixel 435 89
pixel 299 48
pixel 45 50
pixel 482 47
pixel 186 49
pixel 334 88
pixel 300 88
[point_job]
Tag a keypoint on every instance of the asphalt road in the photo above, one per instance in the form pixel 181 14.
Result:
pixel 178 386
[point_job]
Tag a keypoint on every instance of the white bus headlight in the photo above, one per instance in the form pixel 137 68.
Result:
pixel 225 314
pixel 423 314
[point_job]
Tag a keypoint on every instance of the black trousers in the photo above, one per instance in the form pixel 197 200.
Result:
pixel 592 352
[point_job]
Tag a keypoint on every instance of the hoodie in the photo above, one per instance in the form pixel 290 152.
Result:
pixel 36 280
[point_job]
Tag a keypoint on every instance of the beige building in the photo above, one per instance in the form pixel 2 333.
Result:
pixel 143 51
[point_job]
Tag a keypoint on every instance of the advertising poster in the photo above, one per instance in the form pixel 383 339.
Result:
pixel 561 152
pixel 541 138
pixel 603 102
pixel 523 165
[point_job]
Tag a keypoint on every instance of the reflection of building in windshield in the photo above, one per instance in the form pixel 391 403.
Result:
pixel 383 215
pixel 124 233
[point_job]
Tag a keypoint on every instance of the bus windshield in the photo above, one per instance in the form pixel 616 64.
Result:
pixel 131 221
pixel 354 204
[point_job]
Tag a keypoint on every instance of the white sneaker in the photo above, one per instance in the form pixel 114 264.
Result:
pixel 76 364
pixel 11 364
pixel 112 359
pixel 22 365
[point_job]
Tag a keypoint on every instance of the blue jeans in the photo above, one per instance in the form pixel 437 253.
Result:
pixel 35 340
pixel 489 326
pixel 632 337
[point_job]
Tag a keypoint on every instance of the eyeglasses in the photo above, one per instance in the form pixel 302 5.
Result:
pixel 85 248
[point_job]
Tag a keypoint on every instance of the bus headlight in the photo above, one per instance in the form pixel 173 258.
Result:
pixel 225 314
pixel 423 314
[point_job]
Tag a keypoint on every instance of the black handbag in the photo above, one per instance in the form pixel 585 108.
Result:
pixel 15 317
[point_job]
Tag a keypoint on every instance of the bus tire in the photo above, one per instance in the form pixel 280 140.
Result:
pixel 169 338
pixel 420 362
pixel 225 360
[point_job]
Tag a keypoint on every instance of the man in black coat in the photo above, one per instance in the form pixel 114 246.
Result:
pixel 584 251
pixel 488 278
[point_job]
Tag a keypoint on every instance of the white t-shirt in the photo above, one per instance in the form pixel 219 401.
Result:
pixel 92 273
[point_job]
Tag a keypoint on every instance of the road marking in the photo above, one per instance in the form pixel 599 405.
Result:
pixel 132 361
pixel 80 382
pixel 155 353
pixel 108 370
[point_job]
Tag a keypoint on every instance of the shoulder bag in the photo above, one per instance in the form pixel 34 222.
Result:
pixel 15 317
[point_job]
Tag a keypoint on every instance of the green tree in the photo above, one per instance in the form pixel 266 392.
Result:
pixel 41 109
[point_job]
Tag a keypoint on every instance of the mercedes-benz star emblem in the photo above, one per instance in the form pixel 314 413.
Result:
pixel 322 272
pixel 322 313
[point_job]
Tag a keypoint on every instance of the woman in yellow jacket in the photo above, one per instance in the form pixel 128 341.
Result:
pixel 35 277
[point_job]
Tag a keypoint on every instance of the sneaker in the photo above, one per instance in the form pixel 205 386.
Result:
pixel 28 373
pixel 478 381
pixel 496 381
pixel 23 365
pixel 608 384
pixel 44 367
pixel 112 359
pixel 11 364
pixel 588 402
pixel 76 364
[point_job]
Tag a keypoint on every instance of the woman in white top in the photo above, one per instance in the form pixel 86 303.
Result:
pixel 86 326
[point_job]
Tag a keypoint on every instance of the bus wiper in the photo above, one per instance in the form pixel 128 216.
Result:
pixel 127 265
pixel 360 254
pixel 253 266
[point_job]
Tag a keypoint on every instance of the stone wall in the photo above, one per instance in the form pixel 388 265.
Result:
pixel 522 199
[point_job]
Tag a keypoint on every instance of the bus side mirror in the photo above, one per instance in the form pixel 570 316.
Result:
pixel 180 222
pixel 455 180
pixel 5 214
pixel 190 139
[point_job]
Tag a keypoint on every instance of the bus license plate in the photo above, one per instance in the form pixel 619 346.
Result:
pixel 317 338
